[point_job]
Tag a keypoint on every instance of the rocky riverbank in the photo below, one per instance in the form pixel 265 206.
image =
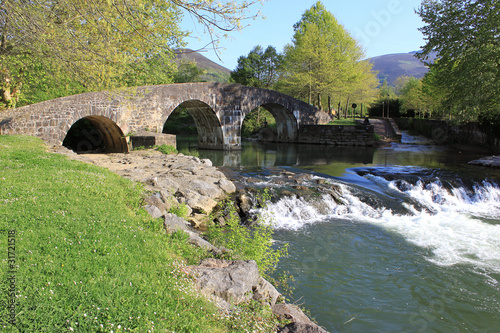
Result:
pixel 178 180
pixel 490 161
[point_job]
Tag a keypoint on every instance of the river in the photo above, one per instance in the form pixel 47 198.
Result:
pixel 413 247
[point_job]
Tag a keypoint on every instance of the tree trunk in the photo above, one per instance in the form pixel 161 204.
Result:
pixel 346 108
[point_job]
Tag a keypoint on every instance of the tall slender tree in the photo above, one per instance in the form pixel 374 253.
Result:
pixel 323 59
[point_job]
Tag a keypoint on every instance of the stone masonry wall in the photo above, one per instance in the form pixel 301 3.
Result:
pixel 361 135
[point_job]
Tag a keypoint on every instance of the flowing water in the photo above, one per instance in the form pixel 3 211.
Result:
pixel 413 246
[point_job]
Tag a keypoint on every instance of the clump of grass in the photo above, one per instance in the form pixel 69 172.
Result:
pixel 88 258
pixel 167 149
pixel 180 210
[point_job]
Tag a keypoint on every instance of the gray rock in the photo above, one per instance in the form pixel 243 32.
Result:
pixel 174 223
pixel 153 211
pixel 245 203
pixel 266 292
pixel 291 312
pixel 154 200
pixel 231 280
pixel 196 240
pixel 199 202
pixel 226 185
pixel 301 328
pixel 207 162
pixel 205 188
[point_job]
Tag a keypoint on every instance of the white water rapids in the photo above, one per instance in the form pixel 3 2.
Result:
pixel 459 226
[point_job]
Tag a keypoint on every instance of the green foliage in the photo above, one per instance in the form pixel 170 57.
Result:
pixel 247 243
pixel 188 72
pixel 464 34
pixel 180 122
pixel 255 121
pixel 167 149
pixel 180 210
pixel 409 90
pixel 259 69
pixel 50 49
pixel 324 60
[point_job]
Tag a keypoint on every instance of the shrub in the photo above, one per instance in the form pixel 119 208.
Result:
pixel 180 210
pixel 166 149
pixel 248 243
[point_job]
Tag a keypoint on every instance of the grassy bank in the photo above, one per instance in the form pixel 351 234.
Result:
pixel 87 257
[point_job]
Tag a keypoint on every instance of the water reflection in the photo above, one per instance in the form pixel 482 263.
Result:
pixel 278 154
pixel 334 160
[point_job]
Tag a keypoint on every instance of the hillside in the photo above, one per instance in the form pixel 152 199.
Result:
pixel 215 72
pixel 392 66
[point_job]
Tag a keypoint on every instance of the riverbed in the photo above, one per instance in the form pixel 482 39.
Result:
pixel 413 247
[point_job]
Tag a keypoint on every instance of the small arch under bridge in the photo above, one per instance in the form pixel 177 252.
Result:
pixel 217 108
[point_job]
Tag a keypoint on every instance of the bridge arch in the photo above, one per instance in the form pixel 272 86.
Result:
pixel 210 134
pixel 287 126
pixel 95 134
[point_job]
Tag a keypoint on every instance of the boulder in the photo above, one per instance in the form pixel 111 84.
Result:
pixel 174 223
pixel 291 312
pixel 226 185
pixel 154 200
pixel 300 322
pixel 301 328
pixel 205 188
pixel 265 292
pixel 153 211
pixel 232 280
pixel 245 203
pixel 199 202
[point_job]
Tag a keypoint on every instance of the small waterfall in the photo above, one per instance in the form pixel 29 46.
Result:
pixel 458 224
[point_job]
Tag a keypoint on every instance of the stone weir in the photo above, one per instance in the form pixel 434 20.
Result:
pixel 173 180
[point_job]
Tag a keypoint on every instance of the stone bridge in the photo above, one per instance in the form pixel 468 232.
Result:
pixel 218 110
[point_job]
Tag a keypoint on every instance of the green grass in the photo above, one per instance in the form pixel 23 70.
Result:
pixel 88 258
pixel 344 122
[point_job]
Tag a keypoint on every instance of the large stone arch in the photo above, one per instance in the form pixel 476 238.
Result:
pixel 287 125
pixel 105 134
pixel 208 125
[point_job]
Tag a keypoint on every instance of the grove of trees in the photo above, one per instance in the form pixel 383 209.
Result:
pixel 321 66
pixel 324 61
pixel 464 82
pixel 50 49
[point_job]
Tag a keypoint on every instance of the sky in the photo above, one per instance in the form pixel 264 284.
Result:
pixel 381 27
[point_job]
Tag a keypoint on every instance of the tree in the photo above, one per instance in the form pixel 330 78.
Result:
pixel 188 72
pixel 259 69
pixel 466 36
pixel 323 60
pixel 409 91
pixel 100 44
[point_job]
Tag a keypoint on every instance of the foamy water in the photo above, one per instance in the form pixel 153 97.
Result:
pixel 457 225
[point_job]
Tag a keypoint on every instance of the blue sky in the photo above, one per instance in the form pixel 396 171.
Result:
pixel 381 27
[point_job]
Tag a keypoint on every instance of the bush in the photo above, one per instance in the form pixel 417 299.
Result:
pixel 248 243
pixel 166 149
pixel 180 210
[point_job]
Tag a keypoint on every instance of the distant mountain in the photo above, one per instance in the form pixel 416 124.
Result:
pixel 392 66
pixel 215 72
pixel 389 67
